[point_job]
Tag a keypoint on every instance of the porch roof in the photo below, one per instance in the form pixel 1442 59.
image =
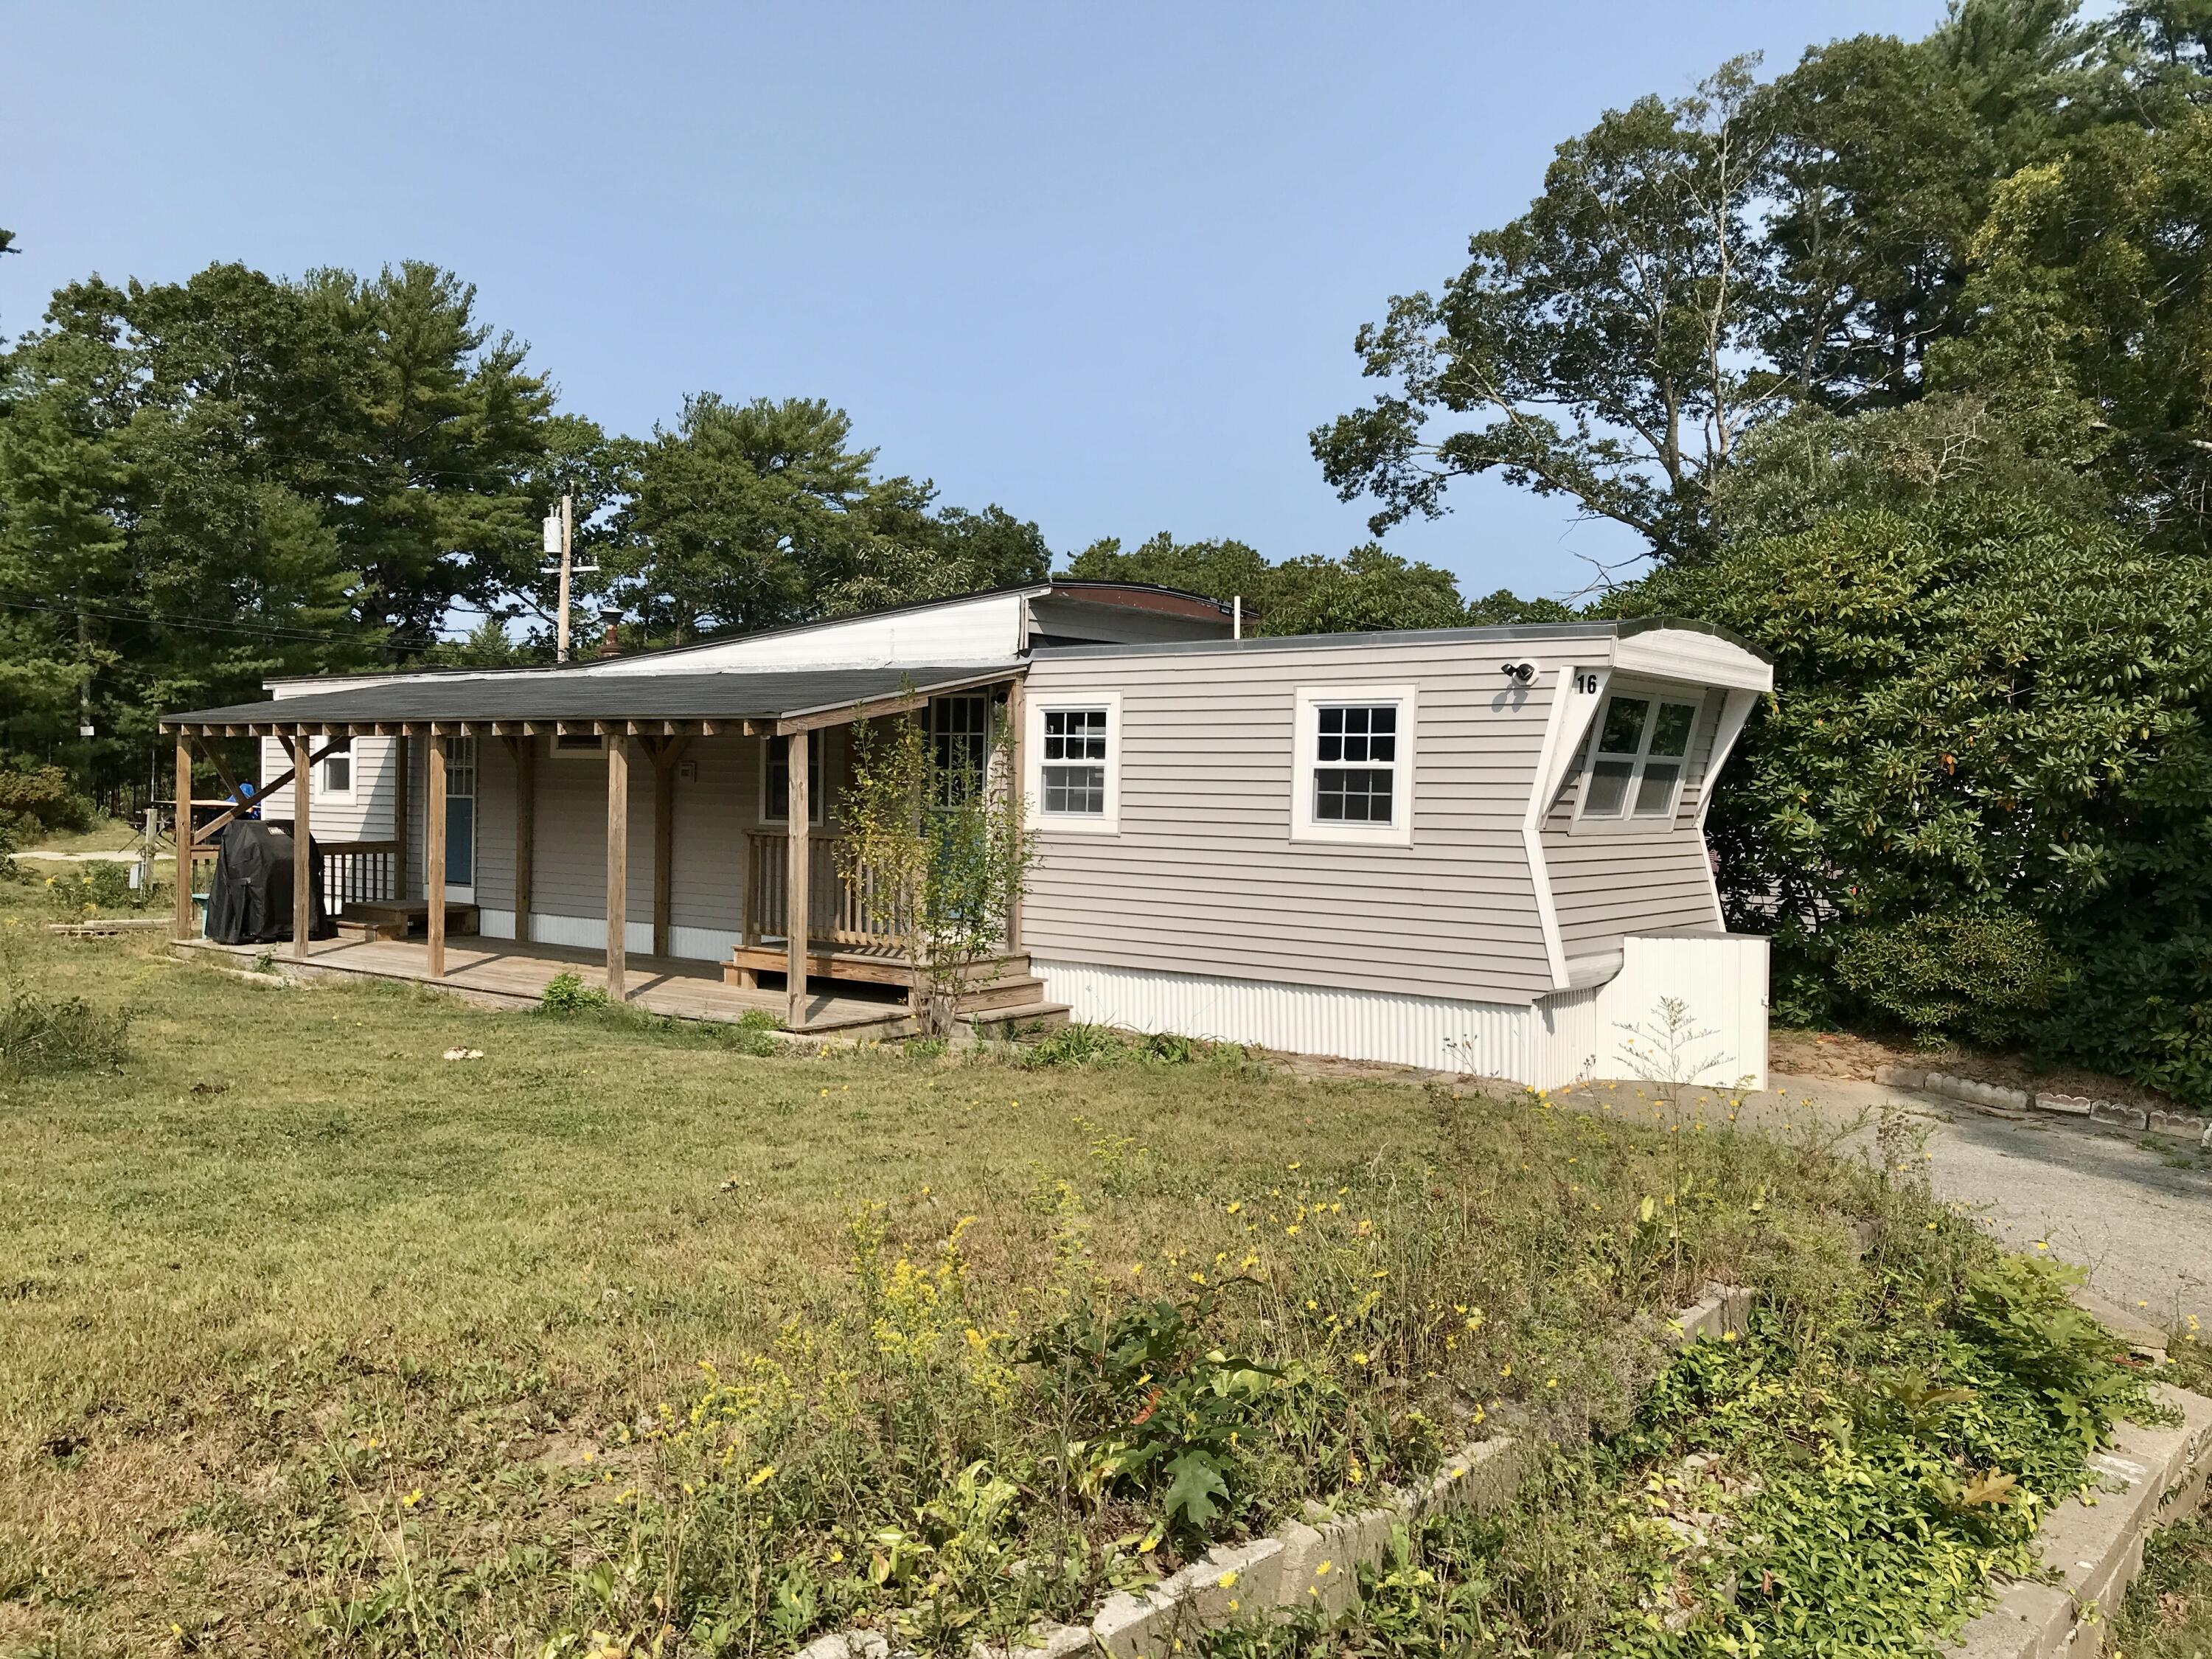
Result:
pixel 751 701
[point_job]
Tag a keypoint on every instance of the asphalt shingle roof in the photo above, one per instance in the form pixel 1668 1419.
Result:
pixel 748 695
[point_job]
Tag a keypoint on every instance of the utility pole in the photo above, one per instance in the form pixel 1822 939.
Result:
pixel 561 538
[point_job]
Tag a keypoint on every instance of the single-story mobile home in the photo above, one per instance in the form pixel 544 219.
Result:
pixel 1479 848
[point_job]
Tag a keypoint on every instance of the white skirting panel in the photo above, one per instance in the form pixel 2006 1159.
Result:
pixel 1557 1040
pixel 1719 979
pixel 590 934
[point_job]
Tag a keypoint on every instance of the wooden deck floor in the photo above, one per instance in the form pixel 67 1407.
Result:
pixel 502 970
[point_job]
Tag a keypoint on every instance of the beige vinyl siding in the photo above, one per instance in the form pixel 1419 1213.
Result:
pixel 1203 877
pixel 711 811
pixel 366 816
pixel 1608 885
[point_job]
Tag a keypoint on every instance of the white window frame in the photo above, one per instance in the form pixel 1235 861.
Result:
pixel 321 788
pixel 817 781
pixel 1308 703
pixel 1627 822
pixel 1108 823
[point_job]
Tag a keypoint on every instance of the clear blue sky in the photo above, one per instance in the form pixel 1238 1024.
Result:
pixel 1100 263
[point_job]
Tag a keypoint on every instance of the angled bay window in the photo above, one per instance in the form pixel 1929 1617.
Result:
pixel 1636 755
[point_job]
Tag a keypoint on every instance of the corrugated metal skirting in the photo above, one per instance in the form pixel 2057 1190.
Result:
pixel 1558 1039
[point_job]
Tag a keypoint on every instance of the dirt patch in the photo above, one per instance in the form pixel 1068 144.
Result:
pixel 1848 1055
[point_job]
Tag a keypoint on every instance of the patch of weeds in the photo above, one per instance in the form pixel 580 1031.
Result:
pixel 750 1035
pixel 566 995
pixel 1080 1044
pixel 927 1048
pixel 1170 1418
pixel 2167 1614
pixel 41 1036
pixel 88 889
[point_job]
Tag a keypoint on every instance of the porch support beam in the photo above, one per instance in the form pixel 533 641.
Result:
pixel 1017 765
pixel 665 754
pixel 183 897
pixel 303 891
pixel 795 882
pixel 525 751
pixel 434 854
pixel 403 748
pixel 617 864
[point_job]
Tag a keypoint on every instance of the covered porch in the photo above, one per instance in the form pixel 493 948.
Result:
pixel 401 915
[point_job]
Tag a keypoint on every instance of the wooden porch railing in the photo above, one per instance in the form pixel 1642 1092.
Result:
pixel 837 911
pixel 359 871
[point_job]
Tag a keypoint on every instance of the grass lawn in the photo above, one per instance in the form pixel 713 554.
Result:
pixel 618 1339
pixel 107 835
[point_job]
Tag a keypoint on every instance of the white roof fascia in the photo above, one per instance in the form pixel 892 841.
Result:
pixel 985 629
pixel 1682 653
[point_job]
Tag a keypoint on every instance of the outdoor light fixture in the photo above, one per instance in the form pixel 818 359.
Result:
pixel 1523 672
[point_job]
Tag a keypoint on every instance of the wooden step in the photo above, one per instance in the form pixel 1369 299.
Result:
pixel 1001 994
pixel 1013 1024
pixel 399 919
pixel 871 966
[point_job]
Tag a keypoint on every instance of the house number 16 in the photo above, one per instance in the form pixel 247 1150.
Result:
pixel 1586 684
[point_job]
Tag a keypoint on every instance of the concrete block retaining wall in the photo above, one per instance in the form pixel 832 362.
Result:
pixel 2092 1546
pixel 2182 1126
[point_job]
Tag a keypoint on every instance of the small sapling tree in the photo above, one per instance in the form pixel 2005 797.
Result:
pixel 938 855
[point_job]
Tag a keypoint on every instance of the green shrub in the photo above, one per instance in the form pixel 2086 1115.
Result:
pixel 566 995
pixel 1968 974
pixel 35 801
pixel 41 1036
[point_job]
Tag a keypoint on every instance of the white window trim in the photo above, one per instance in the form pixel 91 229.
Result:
pixel 322 790
pixel 1307 701
pixel 1108 823
pixel 818 763
pixel 1626 822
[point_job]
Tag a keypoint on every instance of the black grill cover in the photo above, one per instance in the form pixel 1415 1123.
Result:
pixel 250 899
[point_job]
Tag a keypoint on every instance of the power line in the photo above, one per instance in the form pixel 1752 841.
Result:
pixel 259 631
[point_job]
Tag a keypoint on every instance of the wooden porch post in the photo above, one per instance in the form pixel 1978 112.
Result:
pixel 664 756
pixel 1017 763
pixel 400 785
pixel 617 861
pixel 525 751
pixel 303 891
pixel 433 853
pixel 795 882
pixel 184 905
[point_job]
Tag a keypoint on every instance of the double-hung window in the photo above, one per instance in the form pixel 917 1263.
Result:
pixel 1074 762
pixel 1074 749
pixel 1355 773
pixel 1637 758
